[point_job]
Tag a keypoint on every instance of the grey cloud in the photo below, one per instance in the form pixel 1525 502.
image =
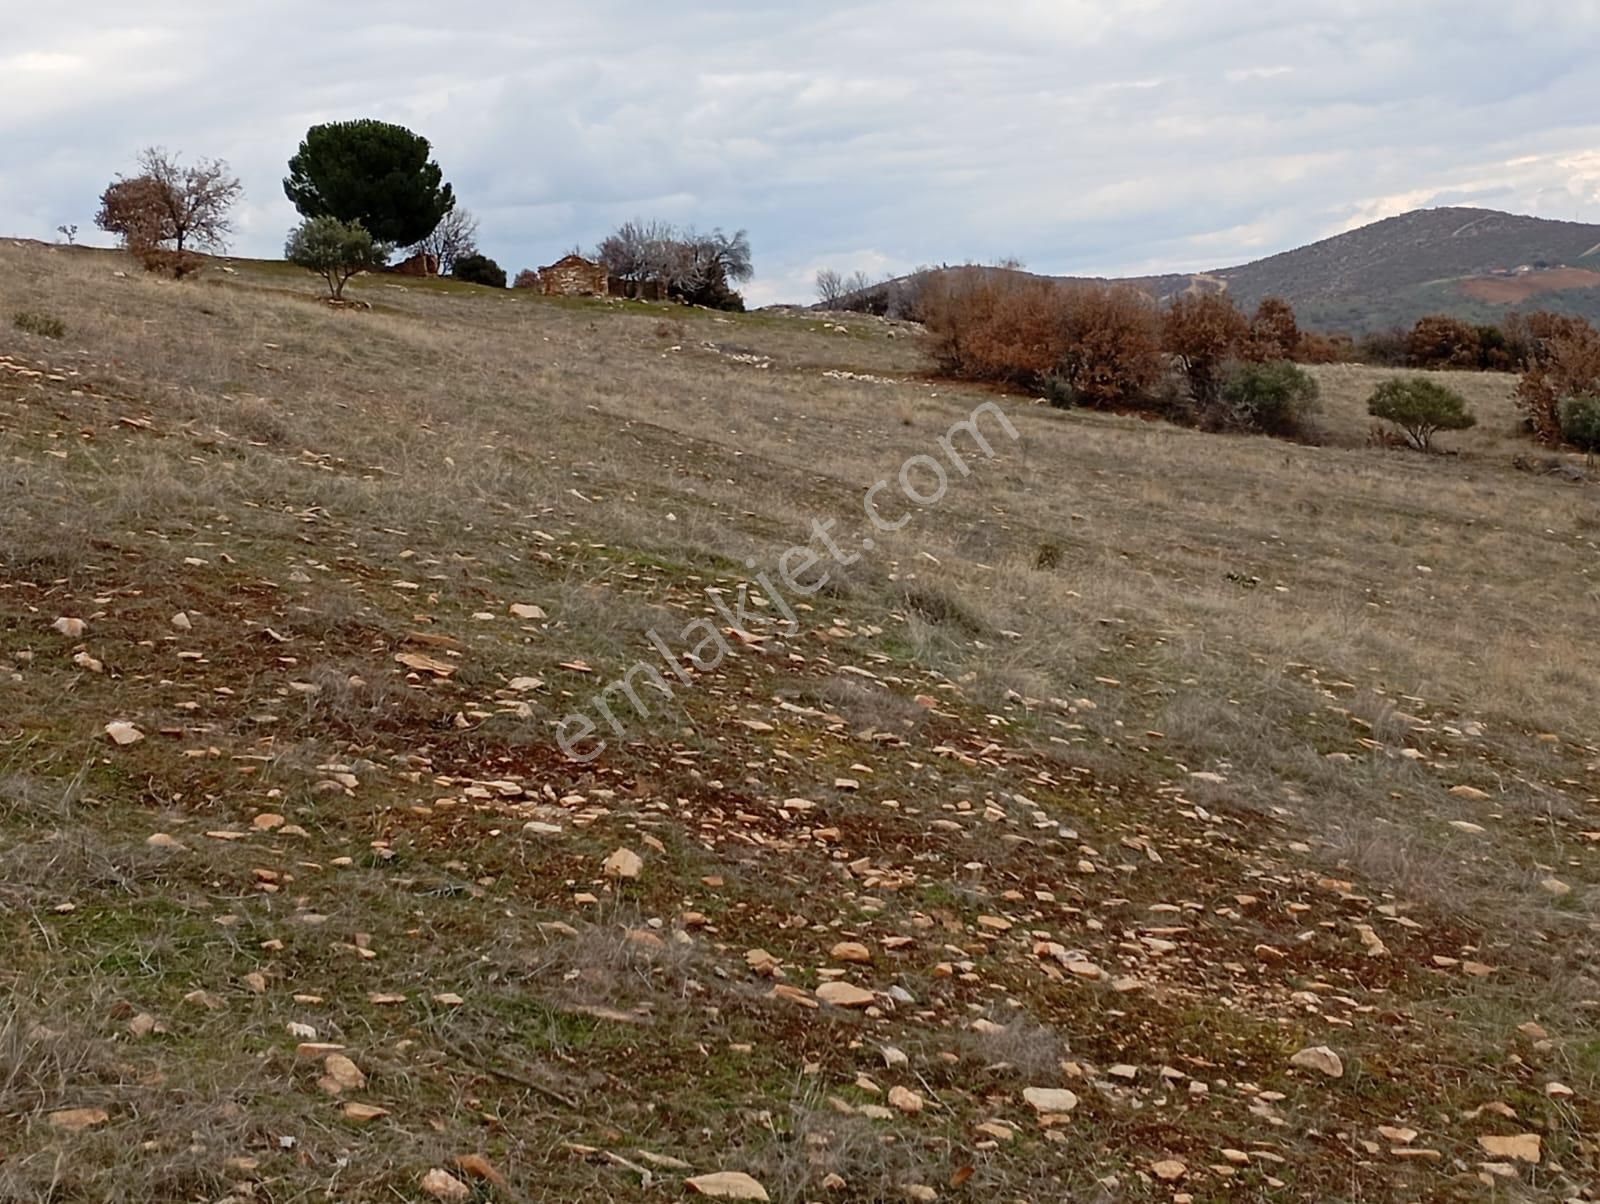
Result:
pixel 1078 135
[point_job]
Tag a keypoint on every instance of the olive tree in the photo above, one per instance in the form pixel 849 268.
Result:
pixel 335 250
pixel 1421 408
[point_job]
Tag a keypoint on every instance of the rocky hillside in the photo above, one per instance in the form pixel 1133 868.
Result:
pixel 1152 817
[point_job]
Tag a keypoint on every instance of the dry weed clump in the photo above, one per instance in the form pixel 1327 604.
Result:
pixel 43 325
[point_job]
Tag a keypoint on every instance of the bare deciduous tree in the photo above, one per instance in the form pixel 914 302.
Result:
pixel 836 290
pixel 168 203
pixel 830 287
pixel 693 267
pixel 452 240
pixel 639 251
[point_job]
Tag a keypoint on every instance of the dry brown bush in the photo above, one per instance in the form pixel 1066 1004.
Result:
pixel 1561 359
pixel 1203 332
pixel 1100 344
pixel 164 261
pixel 1112 341
pixel 1274 332
pixel 1440 341
pixel 1315 348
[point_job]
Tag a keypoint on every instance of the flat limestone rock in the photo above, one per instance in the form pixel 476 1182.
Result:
pixel 1321 1059
pixel 845 995
pixel 1050 1100
pixel 727 1185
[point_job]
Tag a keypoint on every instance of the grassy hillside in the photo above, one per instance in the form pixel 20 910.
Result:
pixel 1139 764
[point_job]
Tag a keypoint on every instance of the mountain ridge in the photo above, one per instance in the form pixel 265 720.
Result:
pixel 1476 264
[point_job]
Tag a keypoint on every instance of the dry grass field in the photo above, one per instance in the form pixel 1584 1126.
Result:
pixel 1063 848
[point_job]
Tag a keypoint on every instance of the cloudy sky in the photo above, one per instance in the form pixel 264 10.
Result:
pixel 1081 137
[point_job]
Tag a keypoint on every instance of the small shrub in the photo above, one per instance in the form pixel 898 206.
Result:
pixel 334 250
pixel 527 278
pixel 1496 350
pixel 1383 348
pixel 1440 341
pixel 1275 398
pixel 1315 348
pixel 1580 422
pixel 480 269
pixel 1421 408
pixel 42 325
pixel 164 261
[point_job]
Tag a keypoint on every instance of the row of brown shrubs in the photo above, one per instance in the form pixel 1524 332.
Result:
pixel 1103 346
pixel 1110 347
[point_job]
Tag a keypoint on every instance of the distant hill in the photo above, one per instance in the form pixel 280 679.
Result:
pixel 1475 263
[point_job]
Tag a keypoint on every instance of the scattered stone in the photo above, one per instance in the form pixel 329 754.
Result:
pixel 624 864
pixel 1522 1147
pixel 76 1120
pixel 850 951
pixel 73 629
pixel 420 662
pixel 845 995
pixel 442 1185
pixel 1053 1101
pixel 906 1100
pixel 341 1074
pixel 123 733
pixel 1321 1059
pixel 1169 1170
pixel 727 1185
